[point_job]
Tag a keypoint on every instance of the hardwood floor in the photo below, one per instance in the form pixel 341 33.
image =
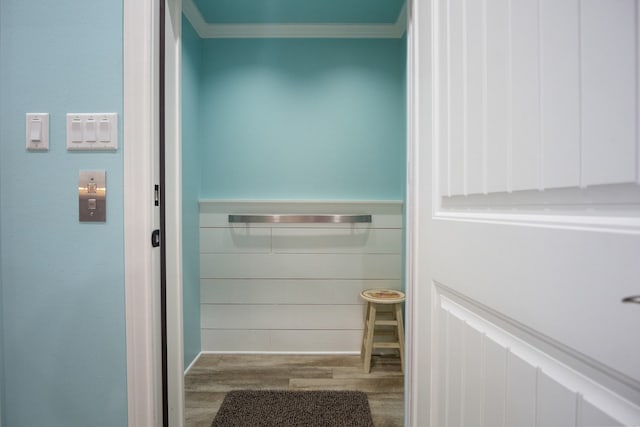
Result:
pixel 214 374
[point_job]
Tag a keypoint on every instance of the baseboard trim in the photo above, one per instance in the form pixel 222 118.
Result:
pixel 306 353
pixel 193 362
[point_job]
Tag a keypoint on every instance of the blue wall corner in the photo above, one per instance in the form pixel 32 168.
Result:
pixel 62 281
pixel 303 119
pixel 191 183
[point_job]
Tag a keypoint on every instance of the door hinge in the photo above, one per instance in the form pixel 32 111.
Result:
pixel 155 238
pixel 156 195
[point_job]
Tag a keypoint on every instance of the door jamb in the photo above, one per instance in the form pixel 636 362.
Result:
pixel 421 75
pixel 173 212
pixel 140 128
pixel 142 295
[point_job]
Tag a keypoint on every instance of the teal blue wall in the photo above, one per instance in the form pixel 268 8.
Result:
pixel 303 119
pixel 62 281
pixel 191 64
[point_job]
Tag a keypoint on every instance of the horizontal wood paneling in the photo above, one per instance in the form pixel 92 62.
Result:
pixel 300 240
pixel 297 266
pixel 288 291
pixel 293 287
pixel 337 240
pixel 249 316
pixel 509 380
pixel 235 240
pixel 289 340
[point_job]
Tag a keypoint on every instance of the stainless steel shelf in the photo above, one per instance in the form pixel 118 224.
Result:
pixel 297 218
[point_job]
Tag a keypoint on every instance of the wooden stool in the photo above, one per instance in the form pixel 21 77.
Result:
pixel 373 298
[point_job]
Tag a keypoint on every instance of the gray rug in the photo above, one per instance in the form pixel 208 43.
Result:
pixel 262 408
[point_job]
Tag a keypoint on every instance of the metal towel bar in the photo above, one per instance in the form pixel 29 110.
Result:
pixel 297 218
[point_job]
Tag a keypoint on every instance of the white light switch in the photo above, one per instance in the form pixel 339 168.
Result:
pixel 104 130
pixel 92 131
pixel 76 130
pixel 37 131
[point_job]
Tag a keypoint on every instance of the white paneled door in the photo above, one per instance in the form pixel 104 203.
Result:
pixel 529 197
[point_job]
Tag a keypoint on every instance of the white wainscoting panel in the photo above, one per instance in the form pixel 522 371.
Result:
pixel 475 94
pixel 445 106
pixel 498 122
pixel 560 92
pixel 457 96
pixel 525 95
pixel 609 79
pixel 536 95
pixel 557 404
pixel 521 392
pixel 473 377
pixel 490 377
pixel 293 287
pixel 494 365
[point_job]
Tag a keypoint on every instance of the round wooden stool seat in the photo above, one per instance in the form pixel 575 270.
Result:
pixel 382 296
pixel 385 318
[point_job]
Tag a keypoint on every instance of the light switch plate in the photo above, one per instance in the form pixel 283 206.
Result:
pixel 92 196
pixel 37 131
pixel 92 131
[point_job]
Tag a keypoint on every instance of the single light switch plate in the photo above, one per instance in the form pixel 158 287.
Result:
pixel 92 196
pixel 92 131
pixel 37 131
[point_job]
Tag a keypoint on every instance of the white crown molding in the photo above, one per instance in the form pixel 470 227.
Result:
pixel 192 12
pixel 341 31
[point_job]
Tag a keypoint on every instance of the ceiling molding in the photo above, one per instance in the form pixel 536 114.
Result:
pixel 341 31
pixel 192 12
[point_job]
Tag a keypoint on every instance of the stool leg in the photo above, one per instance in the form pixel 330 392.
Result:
pixel 398 310
pixel 363 347
pixel 369 327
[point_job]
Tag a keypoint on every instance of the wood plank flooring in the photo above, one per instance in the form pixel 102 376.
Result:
pixel 215 374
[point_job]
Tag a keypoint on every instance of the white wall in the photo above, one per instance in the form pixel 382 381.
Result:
pixel 293 287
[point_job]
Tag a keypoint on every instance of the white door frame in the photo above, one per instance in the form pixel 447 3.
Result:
pixel 142 298
pixel 173 210
pixel 141 290
pixel 420 112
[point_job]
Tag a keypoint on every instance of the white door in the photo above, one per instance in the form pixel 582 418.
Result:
pixel 527 233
